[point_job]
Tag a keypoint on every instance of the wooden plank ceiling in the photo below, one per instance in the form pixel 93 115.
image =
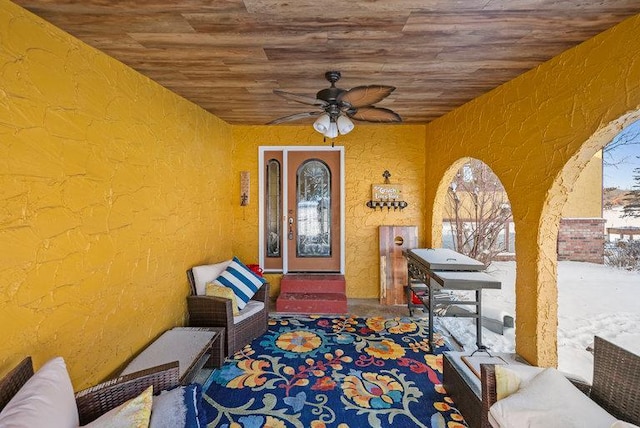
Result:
pixel 229 55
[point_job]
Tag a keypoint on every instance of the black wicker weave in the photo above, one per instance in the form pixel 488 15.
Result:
pixel 616 383
pixel 14 380
pixel 97 400
pixel 208 311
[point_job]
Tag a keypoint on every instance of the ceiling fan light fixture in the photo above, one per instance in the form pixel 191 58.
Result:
pixel 339 106
pixel 322 124
pixel 345 125
pixel 332 132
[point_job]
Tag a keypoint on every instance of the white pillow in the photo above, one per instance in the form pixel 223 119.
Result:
pixel 549 400
pixel 135 413
pixel 207 273
pixel 45 400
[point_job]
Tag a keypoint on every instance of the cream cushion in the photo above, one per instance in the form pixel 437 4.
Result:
pixel 135 413
pixel 45 400
pixel 207 273
pixel 253 307
pixel 549 400
pixel 623 424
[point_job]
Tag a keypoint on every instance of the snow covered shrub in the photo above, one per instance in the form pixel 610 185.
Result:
pixel 623 254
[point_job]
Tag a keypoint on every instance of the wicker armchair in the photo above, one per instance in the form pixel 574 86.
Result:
pixel 616 383
pixel 97 400
pixel 208 311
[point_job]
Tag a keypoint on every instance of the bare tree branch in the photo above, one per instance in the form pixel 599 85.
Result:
pixel 479 212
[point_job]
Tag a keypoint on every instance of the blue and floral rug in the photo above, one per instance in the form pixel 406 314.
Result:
pixel 333 372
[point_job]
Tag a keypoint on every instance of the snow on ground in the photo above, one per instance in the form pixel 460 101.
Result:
pixel 593 300
pixel 615 218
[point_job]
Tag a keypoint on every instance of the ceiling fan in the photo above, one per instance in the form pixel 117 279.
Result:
pixel 337 106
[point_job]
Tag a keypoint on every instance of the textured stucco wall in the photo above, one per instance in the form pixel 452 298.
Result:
pixel 369 150
pixel 586 198
pixel 110 188
pixel 532 133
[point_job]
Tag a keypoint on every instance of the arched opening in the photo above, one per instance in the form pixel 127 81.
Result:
pixel 565 290
pixel 472 216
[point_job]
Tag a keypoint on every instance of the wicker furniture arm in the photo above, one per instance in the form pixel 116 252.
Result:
pixel 13 381
pixel 616 380
pixel 97 400
pixel 488 391
pixel 616 383
pixel 208 311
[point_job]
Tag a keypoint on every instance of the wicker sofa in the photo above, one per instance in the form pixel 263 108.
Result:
pixel 97 400
pixel 209 311
pixel 615 387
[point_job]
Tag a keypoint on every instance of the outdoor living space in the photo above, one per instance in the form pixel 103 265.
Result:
pixel 114 185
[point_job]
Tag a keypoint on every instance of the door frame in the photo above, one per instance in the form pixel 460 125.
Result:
pixel 284 172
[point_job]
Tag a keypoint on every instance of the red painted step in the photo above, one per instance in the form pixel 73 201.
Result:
pixel 312 294
pixel 299 283
pixel 312 303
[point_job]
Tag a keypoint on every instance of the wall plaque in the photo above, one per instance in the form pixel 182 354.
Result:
pixel 386 192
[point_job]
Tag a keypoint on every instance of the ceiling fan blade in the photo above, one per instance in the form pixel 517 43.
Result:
pixel 361 96
pixel 294 117
pixel 300 98
pixel 374 114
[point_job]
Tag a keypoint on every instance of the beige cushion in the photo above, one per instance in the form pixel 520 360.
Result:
pixel 135 413
pixel 549 400
pixel 623 424
pixel 216 290
pixel 45 400
pixel 207 273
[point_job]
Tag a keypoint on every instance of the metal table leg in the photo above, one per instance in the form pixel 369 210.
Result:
pixel 430 309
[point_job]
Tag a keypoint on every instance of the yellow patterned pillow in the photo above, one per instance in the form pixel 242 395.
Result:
pixel 507 382
pixel 216 290
pixel 135 413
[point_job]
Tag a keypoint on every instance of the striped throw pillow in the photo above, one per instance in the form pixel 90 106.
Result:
pixel 241 280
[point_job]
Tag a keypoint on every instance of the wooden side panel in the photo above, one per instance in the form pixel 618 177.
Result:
pixel 393 266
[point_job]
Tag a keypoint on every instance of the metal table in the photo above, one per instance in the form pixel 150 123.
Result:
pixel 431 271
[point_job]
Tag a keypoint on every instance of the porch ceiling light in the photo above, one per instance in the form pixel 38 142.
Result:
pixel 332 125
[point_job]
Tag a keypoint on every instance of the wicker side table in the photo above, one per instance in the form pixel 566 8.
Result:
pixel 192 347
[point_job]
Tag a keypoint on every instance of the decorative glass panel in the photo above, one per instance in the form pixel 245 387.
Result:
pixel 313 183
pixel 274 216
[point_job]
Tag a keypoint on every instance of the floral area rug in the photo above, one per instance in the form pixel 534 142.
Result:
pixel 333 372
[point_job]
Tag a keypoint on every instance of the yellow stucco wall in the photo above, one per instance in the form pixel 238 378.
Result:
pixel 369 151
pixel 110 188
pixel 530 131
pixel 586 199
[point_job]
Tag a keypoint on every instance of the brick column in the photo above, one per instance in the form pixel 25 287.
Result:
pixel 581 240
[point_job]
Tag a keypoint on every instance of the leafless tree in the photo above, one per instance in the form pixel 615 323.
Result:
pixel 632 206
pixel 478 212
pixel 629 136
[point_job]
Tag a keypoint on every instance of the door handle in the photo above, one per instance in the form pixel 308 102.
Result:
pixel 290 236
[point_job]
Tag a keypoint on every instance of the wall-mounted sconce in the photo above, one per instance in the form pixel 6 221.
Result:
pixel 387 195
pixel 244 188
